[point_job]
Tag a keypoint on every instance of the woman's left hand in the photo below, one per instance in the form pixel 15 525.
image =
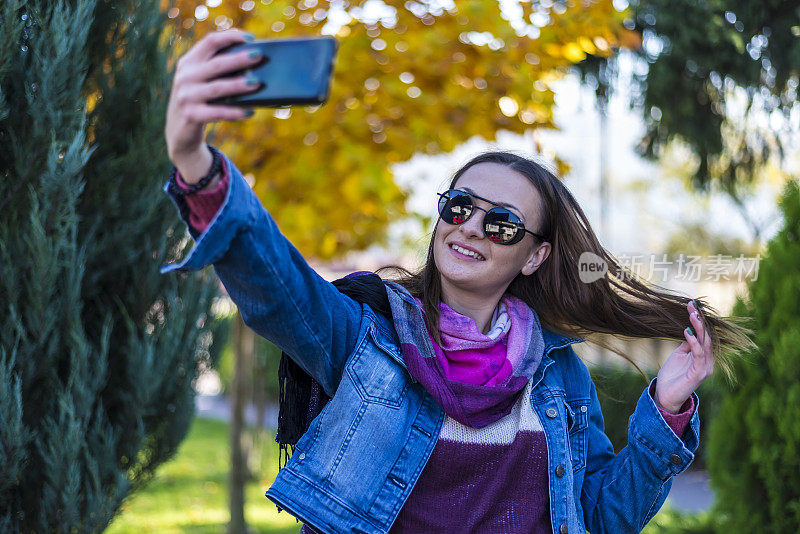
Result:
pixel 687 366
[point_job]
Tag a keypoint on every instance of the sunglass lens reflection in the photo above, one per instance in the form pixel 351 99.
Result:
pixel 455 208
pixel 500 226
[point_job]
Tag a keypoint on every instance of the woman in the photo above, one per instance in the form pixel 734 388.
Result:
pixel 464 407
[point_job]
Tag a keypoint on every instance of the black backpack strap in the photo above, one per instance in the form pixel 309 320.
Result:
pixel 300 397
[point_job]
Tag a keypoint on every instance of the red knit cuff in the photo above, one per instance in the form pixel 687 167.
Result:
pixel 204 205
pixel 678 421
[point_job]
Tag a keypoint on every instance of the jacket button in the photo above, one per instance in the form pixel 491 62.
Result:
pixel 675 459
pixel 560 471
pixel 551 413
pixel 584 409
pixel 562 529
pixel 302 456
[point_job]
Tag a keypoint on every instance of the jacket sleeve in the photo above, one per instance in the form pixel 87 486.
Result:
pixel 621 493
pixel 278 294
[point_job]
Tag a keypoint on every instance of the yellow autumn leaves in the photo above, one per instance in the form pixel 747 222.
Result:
pixel 407 80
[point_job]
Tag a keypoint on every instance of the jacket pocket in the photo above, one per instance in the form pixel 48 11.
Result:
pixel 577 411
pixel 375 372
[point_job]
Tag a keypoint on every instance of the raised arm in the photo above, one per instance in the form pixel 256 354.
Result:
pixel 622 492
pixel 279 296
pixel 629 488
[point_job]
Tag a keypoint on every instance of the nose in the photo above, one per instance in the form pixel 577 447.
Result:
pixel 473 227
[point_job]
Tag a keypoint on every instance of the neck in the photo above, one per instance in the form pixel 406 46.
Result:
pixel 478 307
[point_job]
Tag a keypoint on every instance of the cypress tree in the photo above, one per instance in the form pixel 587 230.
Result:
pixel 754 443
pixel 98 350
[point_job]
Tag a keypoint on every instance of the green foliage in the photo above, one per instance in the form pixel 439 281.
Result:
pixel 221 338
pixel 696 238
pixel 263 375
pixel 717 71
pixel 754 446
pixel 619 389
pixel 98 350
pixel 670 521
pixel 705 51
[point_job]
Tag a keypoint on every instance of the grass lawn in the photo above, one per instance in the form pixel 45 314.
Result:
pixel 190 492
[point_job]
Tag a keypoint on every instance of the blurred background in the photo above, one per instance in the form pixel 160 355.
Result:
pixel 131 400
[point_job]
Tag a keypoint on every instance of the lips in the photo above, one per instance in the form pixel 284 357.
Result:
pixel 466 251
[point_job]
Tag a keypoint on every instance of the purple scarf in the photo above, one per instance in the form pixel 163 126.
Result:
pixel 475 377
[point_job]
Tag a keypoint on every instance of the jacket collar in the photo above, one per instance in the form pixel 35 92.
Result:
pixel 554 340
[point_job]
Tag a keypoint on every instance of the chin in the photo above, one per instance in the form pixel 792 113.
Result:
pixel 463 274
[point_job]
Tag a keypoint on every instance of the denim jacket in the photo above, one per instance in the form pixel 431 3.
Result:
pixel 360 458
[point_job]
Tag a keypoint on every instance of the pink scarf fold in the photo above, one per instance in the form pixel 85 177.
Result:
pixel 476 377
pixel 470 356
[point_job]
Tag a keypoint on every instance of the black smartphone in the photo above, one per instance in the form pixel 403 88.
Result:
pixel 293 72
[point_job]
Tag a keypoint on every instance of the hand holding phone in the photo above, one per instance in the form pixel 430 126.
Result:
pixel 196 82
pixel 290 71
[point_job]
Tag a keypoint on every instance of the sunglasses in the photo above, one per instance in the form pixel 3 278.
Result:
pixel 499 225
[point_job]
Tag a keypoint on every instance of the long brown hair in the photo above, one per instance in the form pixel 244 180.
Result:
pixel 618 303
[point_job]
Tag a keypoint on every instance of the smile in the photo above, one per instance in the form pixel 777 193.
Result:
pixel 466 252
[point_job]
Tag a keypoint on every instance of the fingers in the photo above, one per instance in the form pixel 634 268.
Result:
pixel 200 63
pixel 696 321
pixel 698 327
pixel 197 82
pixel 201 71
pixel 701 346
pixel 204 113
pixel 694 344
pixel 213 42
pixel 205 92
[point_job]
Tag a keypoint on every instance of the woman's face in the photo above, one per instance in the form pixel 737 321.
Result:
pixel 497 265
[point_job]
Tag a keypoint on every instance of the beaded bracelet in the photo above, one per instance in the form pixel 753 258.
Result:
pixel 216 167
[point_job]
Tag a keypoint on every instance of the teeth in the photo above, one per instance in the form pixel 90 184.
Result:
pixel 467 252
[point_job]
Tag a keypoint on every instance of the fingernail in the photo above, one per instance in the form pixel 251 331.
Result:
pixel 251 79
pixel 249 36
pixel 691 332
pixel 254 54
pixel 248 112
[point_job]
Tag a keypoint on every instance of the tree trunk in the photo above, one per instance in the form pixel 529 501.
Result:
pixel 605 228
pixel 243 351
